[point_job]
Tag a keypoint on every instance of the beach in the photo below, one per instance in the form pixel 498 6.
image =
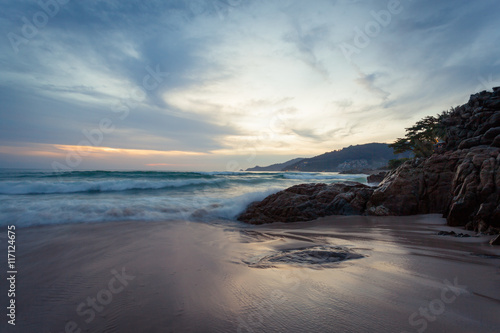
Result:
pixel 220 166
pixel 183 276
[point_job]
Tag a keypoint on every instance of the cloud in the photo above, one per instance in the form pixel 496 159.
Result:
pixel 237 76
pixel 368 81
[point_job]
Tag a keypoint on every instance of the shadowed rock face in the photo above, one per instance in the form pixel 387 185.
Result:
pixel 463 183
pixel 308 202
pixel 377 177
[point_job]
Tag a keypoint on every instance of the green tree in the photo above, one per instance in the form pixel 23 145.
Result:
pixel 421 137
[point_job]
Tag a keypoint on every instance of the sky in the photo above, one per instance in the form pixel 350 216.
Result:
pixel 229 84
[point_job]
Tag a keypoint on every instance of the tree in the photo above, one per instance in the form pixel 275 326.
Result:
pixel 421 137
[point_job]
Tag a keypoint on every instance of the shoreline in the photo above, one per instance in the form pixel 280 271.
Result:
pixel 188 276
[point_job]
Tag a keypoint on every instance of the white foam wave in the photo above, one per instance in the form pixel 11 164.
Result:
pixel 63 209
pixel 43 187
pixel 223 173
pixel 309 176
pixel 86 198
pixel 230 208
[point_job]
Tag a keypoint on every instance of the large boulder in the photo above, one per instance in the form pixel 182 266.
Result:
pixel 420 186
pixel 376 178
pixel 309 201
pixel 464 185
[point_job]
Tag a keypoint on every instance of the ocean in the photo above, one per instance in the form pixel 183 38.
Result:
pixel 38 197
pixel 150 251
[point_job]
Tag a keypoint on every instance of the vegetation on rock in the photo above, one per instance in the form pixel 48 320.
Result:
pixel 421 137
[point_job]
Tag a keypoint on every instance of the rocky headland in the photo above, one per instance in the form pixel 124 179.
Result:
pixel 461 180
pixel 363 158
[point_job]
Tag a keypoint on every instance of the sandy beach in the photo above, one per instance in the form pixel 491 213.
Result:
pixel 399 276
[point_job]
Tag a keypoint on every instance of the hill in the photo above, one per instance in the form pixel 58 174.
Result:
pixel 277 166
pixel 359 157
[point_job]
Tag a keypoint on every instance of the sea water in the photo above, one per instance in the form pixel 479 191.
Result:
pixel 38 197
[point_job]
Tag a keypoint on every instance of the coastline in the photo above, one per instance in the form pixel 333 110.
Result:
pixel 190 276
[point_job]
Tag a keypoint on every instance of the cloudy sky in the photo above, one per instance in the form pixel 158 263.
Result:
pixel 228 84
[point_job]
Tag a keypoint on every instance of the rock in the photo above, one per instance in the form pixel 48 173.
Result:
pixel 475 141
pixel 309 201
pixel 463 183
pixel 493 104
pixel 496 142
pixel 447 233
pixel 354 172
pixel 495 241
pixel 417 187
pixel 453 233
pixel 376 178
pixel 396 195
pixel 490 135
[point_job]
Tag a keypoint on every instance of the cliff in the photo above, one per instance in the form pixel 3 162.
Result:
pixel 462 181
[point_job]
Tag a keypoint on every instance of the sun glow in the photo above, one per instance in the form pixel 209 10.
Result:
pixel 58 151
pixel 124 151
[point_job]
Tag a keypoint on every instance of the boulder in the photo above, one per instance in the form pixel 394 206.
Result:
pixel 496 142
pixel 309 201
pixel 468 143
pixel 376 178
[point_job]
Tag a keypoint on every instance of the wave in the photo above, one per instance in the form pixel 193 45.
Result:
pixel 99 174
pixel 41 187
pixel 202 207
pixel 311 176
pixel 98 196
pixel 223 173
pixel 240 173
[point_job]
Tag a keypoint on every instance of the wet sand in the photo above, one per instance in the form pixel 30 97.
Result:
pixel 398 276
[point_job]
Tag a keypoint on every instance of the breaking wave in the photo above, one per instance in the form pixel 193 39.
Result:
pixel 45 197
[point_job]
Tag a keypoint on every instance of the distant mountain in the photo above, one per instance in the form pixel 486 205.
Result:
pixel 359 157
pixel 276 167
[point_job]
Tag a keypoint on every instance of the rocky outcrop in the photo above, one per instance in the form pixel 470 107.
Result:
pixel 464 185
pixel 308 202
pixel 475 123
pixel 420 186
pixel 376 177
pixel 462 182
